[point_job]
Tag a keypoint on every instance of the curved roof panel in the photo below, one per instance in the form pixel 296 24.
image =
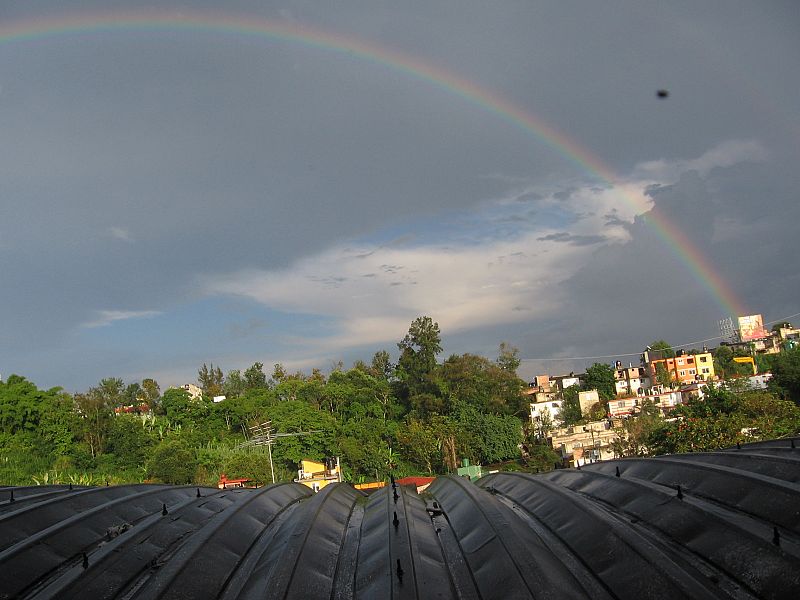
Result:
pixel 706 525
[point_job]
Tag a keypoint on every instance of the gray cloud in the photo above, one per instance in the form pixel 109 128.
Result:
pixel 577 240
pixel 133 164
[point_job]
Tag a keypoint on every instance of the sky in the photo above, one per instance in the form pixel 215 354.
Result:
pixel 200 182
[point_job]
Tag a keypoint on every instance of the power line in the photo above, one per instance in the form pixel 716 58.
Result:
pixel 621 354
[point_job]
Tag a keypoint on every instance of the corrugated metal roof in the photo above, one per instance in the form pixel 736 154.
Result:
pixel 706 525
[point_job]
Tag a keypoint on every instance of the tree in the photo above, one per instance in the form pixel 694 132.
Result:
pixel 113 390
pixel 663 347
pixel 726 367
pixel 279 373
pixel 381 365
pixel 636 435
pixel 786 375
pixel 172 462
pixel 96 411
pixel 419 444
pixel 600 377
pixel 570 407
pixel 151 392
pixel 235 384
pixel 211 380
pixel 255 377
pixel 418 351
pixel 663 376
pixel 477 381
pixel 508 358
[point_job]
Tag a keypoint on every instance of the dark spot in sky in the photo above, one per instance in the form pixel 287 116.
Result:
pixel 662 93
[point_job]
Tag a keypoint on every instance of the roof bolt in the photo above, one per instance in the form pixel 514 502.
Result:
pixel 395 521
pixel 680 493
pixel 85 561
pixel 776 536
pixel 164 510
pixel 399 571
pixel 616 472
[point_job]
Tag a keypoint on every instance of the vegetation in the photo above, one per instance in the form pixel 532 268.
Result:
pixel 725 416
pixel 421 415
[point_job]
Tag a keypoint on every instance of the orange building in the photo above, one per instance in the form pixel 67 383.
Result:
pixel 684 368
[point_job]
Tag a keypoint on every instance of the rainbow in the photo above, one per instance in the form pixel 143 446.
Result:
pixel 487 100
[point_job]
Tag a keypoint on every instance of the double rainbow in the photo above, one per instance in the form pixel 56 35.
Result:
pixel 158 20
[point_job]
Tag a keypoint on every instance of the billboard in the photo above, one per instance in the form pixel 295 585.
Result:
pixel 751 327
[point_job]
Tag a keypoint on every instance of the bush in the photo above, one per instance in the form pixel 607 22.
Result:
pixel 172 462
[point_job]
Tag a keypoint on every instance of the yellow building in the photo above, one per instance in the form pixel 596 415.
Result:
pixel 317 475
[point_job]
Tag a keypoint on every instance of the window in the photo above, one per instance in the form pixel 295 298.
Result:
pixel 703 359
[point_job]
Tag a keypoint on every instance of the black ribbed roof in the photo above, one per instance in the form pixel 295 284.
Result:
pixel 705 525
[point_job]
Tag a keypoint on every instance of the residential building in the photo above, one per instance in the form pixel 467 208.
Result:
pixel 664 400
pixel 317 475
pixel 623 407
pixel 587 399
pixel 583 444
pixel 551 408
pixel 540 390
pixel 195 392
pixel 759 382
pixel 683 368
pixel 562 382
pixel 630 380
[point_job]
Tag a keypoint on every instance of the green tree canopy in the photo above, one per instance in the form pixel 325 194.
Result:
pixel 663 347
pixel 570 407
pixel 418 351
pixel 600 377
pixel 786 375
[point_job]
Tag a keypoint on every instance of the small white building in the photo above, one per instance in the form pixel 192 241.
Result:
pixel 587 400
pixel 552 408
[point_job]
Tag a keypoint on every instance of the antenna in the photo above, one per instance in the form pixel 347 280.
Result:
pixel 727 331
pixel 264 435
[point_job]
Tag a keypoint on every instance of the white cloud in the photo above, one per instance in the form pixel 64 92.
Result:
pixel 475 274
pixel 373 293
pixel 723 155
pixel 107 317
pixel 120 233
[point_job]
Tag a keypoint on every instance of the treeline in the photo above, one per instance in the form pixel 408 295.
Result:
pixel 417 416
